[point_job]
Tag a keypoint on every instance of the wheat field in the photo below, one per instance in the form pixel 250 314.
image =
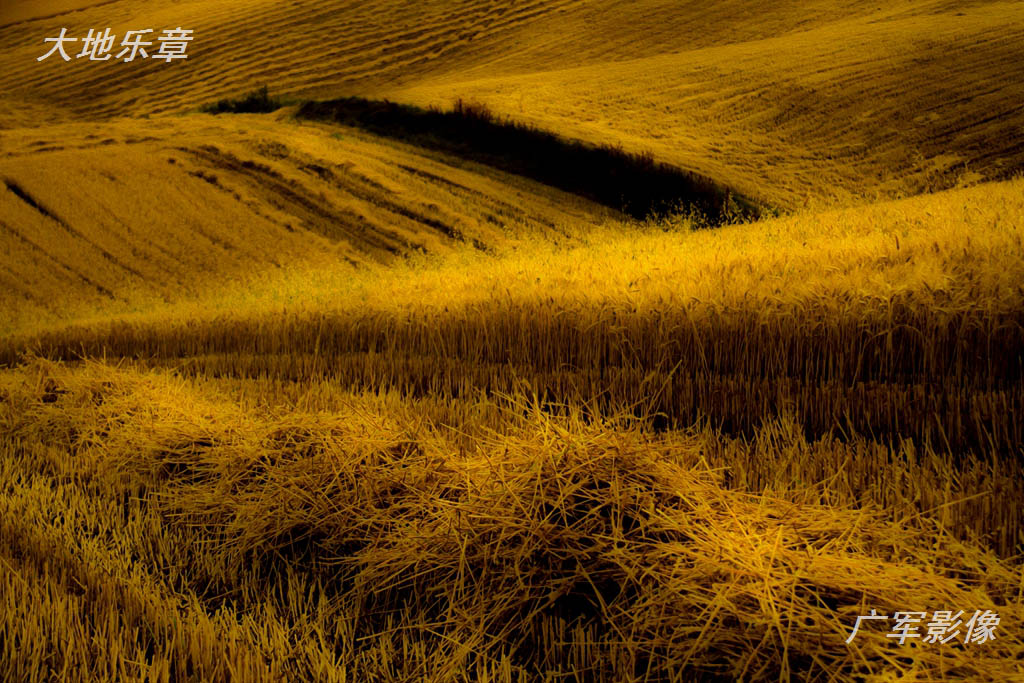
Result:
pixel 801 103
pixel 292 398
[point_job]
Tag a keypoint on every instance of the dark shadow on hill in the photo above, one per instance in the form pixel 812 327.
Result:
pixel 632 183
pixel 258 101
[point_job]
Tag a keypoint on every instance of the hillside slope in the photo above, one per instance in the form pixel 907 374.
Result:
pixel 324 394
pixel 352 472
pixel 797 102
pixel 901 320
pixel 114 215
pixel 886 105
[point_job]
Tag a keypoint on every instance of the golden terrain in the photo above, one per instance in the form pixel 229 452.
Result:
pixel 109 216
pixel 284 400
pixel 797 102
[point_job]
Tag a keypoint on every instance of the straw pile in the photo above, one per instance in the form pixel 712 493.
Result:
pixel 152 530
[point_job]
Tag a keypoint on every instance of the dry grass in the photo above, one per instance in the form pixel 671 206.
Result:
pixel 651 455
pixel 899 321
pixel 496 498
pixel 197 538
pixel 289 401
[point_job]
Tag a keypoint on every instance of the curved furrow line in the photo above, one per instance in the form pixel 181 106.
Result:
pixel 71 272
pixel 397 42
pixel 403 46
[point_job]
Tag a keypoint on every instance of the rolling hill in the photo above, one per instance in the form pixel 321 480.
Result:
pixel 110 215
pixel 331 471
pixel 797 103
pixel 332 393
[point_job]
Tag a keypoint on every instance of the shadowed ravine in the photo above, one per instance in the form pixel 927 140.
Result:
pixel 635 184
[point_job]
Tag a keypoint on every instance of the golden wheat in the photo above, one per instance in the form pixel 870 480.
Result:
pixel 159 532
pixel 283 400
pixel 914 331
